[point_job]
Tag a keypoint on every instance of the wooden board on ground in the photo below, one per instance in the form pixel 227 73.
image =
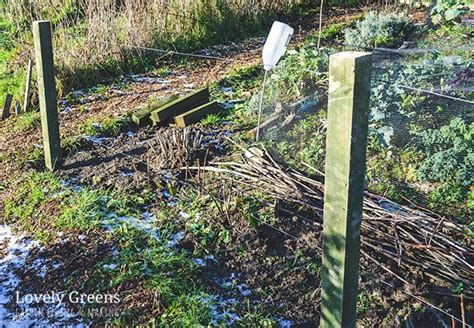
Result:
pixel 180 106
pixel 142 115
pixel 196 114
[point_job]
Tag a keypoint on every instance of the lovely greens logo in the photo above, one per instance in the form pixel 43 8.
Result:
pixel 73 297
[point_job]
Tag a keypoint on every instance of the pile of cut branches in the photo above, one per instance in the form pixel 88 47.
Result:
pixel 412 239
pixel 174 148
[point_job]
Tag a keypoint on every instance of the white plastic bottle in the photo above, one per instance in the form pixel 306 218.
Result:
pixel 276 44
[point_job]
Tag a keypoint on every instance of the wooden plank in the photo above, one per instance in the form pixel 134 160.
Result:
pixel 142 115
pixel 196 114
pixel 47 93
pixel 26 101
pixel 180 106
pixel 348 108
pixel 6 106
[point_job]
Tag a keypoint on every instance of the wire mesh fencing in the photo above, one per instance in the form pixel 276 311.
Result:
pixel 420 121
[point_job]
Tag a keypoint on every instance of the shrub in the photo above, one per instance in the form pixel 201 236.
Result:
pixel 378 30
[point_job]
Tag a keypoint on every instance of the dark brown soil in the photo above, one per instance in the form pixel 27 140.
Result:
pixel 141 158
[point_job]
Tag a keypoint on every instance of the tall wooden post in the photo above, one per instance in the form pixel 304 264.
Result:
pixel 26 101
pixel 47 93
pixel 349 93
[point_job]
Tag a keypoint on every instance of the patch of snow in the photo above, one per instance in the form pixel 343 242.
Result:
pixel 231 283
pixel 145 224
pixel 184 215
pixel 110 266
pixel 284 323
pixel 200 262
pixel 66 110
pixel 18 248
pixel 39 265
pixel 175 239
pixel 227 90
pixel 203 262
pixel 170 199
pixel 222 310
pixel 145 79
pixel 72 183
pixel 98 140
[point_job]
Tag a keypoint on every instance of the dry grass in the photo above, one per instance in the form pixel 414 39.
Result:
pixel 89 35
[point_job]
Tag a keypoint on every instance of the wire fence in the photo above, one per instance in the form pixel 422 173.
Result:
pixel 421 105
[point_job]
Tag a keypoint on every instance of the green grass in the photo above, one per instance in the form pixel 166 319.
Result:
pixel 103 126
pixel 43 202
pixel 43 205
pixel 11 80
pixel 27 121
pixel 170 274
pixel 211 119
pixel 366 302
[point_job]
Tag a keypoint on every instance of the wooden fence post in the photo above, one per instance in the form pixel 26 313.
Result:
pixel 6 106
pixel 26 101
pixel 47 93
pixel 348 107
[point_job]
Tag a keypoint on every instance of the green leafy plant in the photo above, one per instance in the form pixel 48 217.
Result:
pixel 447 12
pixel 449 161
pixel 297 74
pixel 378 30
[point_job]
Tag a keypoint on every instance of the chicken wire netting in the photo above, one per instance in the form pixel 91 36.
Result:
pixel 420 144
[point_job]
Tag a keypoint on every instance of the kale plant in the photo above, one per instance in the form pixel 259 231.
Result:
pixel 449 160
pixel 447 12
pixel 394 106
pixel 378 30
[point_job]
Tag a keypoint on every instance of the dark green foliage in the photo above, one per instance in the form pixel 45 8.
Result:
pixel 449 159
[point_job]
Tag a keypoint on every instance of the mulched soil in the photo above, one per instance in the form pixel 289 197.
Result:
pixel 272 262
pixel 142 157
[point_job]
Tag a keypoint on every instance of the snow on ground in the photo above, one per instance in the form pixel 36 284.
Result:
pixel 14 251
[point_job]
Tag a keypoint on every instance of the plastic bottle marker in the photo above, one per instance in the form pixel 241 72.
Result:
pixel 275 47
pixel 276 44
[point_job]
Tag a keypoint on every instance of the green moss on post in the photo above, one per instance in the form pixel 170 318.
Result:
pixel 47 93
pixel 349 90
